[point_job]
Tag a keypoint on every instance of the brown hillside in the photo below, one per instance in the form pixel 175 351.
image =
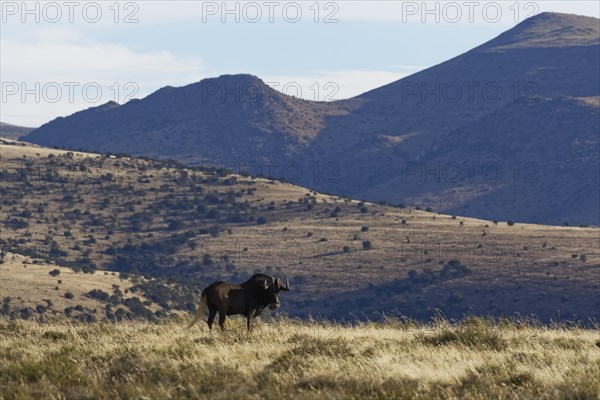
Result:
pixel 343 258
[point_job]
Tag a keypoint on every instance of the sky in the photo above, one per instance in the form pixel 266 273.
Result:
pixel 59 57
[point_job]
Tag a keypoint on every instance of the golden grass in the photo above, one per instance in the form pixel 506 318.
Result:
pixel 298 360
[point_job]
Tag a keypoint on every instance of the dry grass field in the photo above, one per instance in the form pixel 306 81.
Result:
pixel 288 359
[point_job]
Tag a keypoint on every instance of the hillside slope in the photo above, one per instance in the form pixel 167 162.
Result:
pixel 183 228
pixel 32 289
pixel 10 131
pixel 500 167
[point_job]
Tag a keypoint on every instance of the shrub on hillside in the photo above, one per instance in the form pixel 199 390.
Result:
pixel 98 294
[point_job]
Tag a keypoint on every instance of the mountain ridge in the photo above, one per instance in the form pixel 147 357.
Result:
pixel 368 140
pixel 11 131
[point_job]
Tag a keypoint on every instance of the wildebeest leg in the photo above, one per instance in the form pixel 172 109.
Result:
pixel 212 313
pixel 222 315
pixel 249 320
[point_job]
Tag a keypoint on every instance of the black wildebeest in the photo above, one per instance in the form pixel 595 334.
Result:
pixel 248 298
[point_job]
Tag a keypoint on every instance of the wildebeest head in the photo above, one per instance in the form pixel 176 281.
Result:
pixel 273 288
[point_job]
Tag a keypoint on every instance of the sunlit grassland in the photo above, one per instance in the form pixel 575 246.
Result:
pixel 291 359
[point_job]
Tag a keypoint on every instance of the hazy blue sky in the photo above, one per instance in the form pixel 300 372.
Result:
pixel 51 51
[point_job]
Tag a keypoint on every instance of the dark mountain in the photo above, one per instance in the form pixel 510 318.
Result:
pixel 10 131
pixel 532 161
pixel 531 95
pixel 233 118
pixel 407 117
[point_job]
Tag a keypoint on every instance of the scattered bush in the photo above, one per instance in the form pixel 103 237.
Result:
pixel 175 225
pixel 98 294
pixel 25 214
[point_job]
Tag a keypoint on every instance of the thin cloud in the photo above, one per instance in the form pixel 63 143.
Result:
pixel 119 72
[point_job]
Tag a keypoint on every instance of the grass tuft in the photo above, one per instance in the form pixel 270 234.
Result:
pixel 475 333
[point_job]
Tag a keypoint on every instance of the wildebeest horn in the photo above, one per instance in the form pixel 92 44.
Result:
pixel 266 283
pixel 281 286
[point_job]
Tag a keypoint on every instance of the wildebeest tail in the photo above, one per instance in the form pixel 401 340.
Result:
pixel 200 312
